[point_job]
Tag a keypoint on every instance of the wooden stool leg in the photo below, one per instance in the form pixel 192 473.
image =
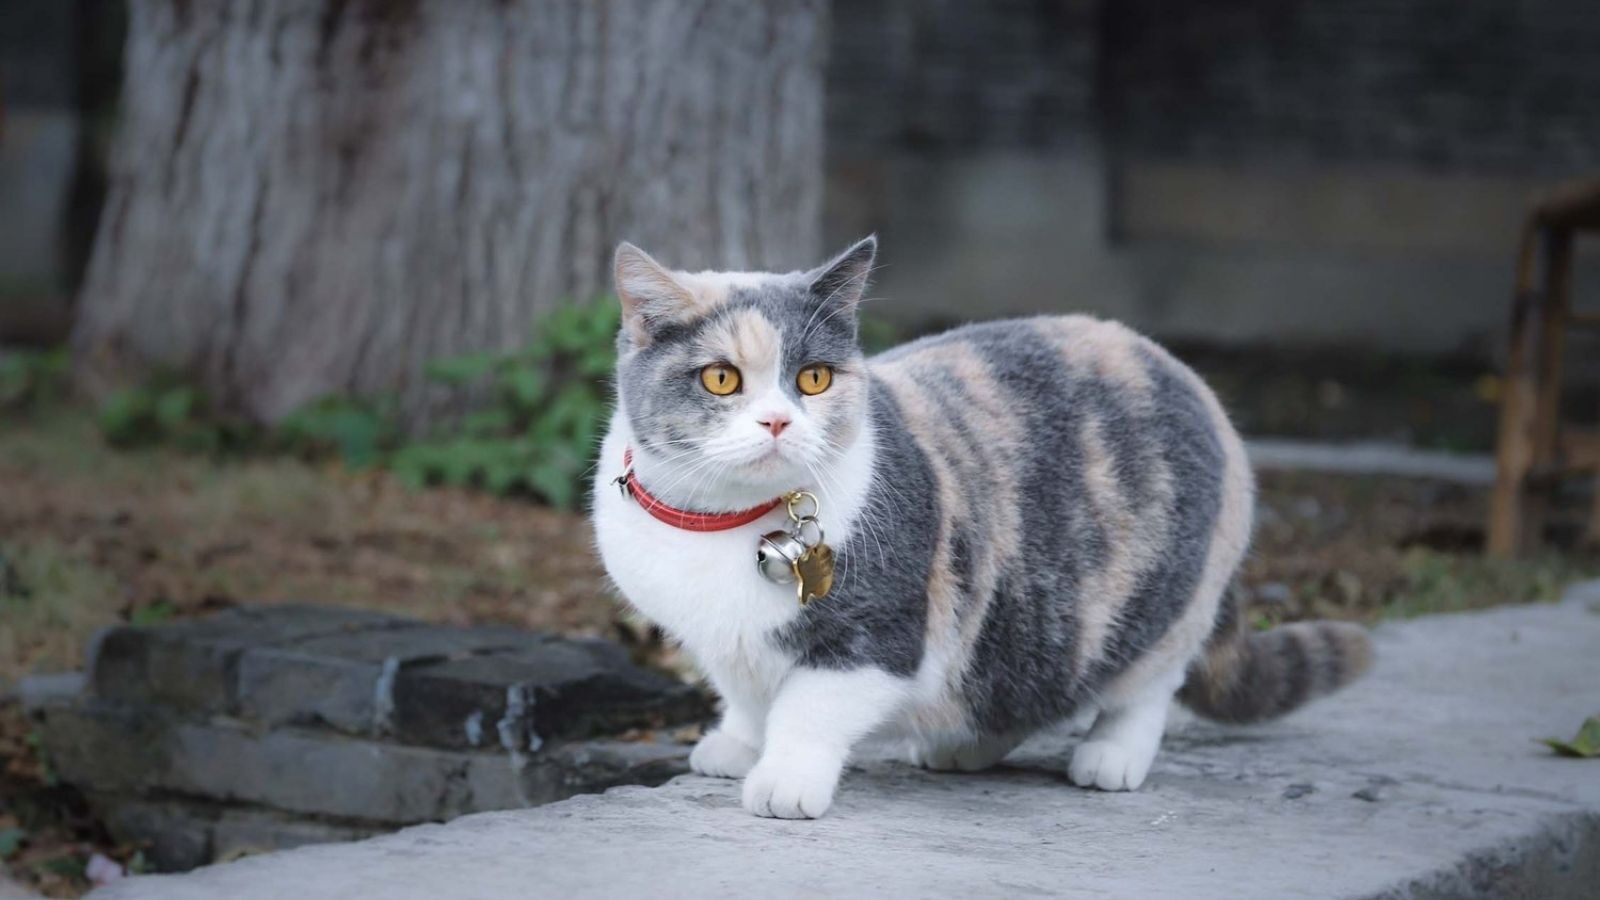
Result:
pixel 1547 412
pixel 1518 401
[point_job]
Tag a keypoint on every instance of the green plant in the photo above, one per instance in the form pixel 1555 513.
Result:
pixel 32 378
pixel 547 402
pixel 361 432
pixel 166 410
pixel 155 612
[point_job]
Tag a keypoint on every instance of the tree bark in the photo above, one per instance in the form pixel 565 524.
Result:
pixel 320 196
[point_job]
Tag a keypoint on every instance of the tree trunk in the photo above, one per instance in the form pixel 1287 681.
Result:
pixel 320 196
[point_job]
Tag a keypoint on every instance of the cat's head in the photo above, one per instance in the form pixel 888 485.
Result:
pixel 742 378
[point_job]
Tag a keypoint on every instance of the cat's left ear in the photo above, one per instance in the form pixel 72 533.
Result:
pixel 650 296
pixel 842 281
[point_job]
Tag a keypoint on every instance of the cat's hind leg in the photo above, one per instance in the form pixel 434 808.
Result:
pixel 731 749
pixel 972 754
pixel 1117 753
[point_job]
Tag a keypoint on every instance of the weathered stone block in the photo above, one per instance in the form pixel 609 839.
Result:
pixel 366 673
pixel 266 727
pixel 116 749
pixel 193 665
pixel 562 689
pixel 346 680
pixel 246 832
pixel 173 835
pixel 179 834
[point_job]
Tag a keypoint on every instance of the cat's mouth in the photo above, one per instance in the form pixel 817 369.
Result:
pixel 770 458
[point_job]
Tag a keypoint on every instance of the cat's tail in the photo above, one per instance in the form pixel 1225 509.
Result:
pixel 1249 676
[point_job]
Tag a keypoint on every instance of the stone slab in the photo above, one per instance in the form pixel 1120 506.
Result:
pixel 519 699
pixel 346 681
pixel 193 665
pixel 178 834
pixel 1423 780
pixel 368 674
pixel 117 749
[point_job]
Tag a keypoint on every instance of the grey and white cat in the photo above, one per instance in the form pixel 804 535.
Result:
pixel 1030 518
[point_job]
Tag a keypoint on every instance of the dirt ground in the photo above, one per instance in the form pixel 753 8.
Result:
pixel 93 536
pixel 90 536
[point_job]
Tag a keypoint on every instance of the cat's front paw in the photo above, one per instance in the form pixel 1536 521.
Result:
pixel 1109 765
pixel 721 755
pixel 796 786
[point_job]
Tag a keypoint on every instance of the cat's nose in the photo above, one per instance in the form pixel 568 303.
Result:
pixel 775 423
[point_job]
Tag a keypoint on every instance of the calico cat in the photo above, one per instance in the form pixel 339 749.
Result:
pixel 1028 518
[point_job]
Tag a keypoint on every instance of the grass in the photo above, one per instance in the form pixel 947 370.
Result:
pixel 50 597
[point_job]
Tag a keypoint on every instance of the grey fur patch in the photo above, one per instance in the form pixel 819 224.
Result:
pixel 1023 669
pixel 877 611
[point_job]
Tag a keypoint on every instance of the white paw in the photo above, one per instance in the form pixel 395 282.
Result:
pixel 792 787
pixel 721 755
pixel 1109 766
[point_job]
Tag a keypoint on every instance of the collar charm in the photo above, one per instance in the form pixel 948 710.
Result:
pixel 798 554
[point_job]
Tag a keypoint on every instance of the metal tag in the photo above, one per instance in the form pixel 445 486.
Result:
pixel 814 571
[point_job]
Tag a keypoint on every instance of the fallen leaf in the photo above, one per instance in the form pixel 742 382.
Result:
pixel 1585 745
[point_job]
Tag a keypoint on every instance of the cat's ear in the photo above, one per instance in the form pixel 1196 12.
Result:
pixel 842 281
pixel 649 294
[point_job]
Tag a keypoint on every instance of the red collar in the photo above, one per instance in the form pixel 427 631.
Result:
pixel 683 518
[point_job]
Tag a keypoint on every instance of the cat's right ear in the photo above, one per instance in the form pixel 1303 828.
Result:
pixel 650 296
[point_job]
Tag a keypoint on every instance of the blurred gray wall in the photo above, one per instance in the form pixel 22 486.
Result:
pixel 1243 170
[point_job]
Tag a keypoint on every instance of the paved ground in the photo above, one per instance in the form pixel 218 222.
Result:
pixel 1422 781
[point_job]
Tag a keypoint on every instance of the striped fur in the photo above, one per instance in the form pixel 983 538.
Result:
pixel 1246 676
pixel 1029 517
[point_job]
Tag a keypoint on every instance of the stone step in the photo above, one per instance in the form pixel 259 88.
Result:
pixel 122 750
pixel 290 723
pixel 371 674
pixel 1423 780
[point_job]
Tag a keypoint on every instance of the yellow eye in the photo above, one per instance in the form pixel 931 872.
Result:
pixel 720 379
pixel 813 380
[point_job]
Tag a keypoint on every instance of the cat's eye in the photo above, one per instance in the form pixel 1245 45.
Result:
pixel 813 380
pixel 720 379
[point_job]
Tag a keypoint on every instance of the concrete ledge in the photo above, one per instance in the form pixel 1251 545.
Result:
pixel 1424 780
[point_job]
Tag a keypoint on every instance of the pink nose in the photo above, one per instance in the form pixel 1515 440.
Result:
pixel 774 423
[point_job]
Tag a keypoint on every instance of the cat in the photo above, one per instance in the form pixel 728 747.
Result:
pixel 1029 518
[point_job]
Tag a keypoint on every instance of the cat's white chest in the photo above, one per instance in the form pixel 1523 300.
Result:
pixel 703 588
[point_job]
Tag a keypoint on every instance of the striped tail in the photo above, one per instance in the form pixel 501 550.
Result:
pixel 1245 676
